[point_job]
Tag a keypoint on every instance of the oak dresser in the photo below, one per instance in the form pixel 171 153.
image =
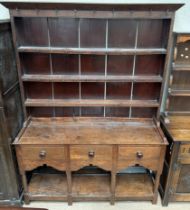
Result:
pixel 92 78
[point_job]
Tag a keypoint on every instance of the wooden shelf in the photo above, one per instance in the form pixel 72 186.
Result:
pixel 97 51
pixel 179 127
pixel 89 103
pixel 174 92
pixel 178 122
pixel 54 186
pixel 130 186
pixel 89 78
pixel 48 186
pixel 181 67
pixel 180 134
pixel 97 186
pixel 178 113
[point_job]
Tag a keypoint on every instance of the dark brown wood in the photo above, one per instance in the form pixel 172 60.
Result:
pixel 18 63
pixel 90 76
pixel 91 6
pixel 175 120
pixel 63 65
pixel 99 14
pixel 11 119
pixel 122 33
pixel 149 65
pixel 169 31
pixel 93 51
pixel 63 32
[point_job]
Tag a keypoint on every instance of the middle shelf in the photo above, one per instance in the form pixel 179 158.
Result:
pixel 89 103
pixel 90 78
pixel 97 51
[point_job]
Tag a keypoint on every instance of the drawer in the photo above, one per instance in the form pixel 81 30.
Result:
pixel 138 153
pixel 85 155
pixel 148 157
pixel 42 153
pixel 90 152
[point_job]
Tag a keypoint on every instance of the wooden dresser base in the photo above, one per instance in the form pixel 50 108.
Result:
pixel 69 145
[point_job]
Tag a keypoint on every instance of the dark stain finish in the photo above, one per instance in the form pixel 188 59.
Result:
pixel 11 119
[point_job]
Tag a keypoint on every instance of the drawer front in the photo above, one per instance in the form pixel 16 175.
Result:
pixel 91 152
pixel 145 156
pixel 138 153
pixel 43 153
pixel 85 155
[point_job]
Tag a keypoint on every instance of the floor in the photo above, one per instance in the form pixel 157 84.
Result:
pixel 107 206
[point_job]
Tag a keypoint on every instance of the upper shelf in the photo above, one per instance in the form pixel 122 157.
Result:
pixel 181 67
pixel 97 51
pixel 89 78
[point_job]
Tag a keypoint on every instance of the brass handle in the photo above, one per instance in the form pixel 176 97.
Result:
pixel 42 154
pixel 139 155
pixel 91 154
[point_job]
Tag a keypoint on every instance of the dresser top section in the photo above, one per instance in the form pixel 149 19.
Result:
pixel 90 5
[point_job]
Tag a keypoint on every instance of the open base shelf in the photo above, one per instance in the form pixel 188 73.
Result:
pixel 97 187
pixel 48 187
pixel 129 186
pixel 134 187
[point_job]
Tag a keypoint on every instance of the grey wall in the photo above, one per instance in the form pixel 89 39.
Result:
pixel 182 18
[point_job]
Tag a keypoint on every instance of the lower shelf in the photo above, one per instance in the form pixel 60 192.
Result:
pixel 48 187
pixel 134 187
pixel 91 187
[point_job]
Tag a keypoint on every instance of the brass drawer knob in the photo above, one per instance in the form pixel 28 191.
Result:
pixel 91 154
pixel 139 155
pixel 42 154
